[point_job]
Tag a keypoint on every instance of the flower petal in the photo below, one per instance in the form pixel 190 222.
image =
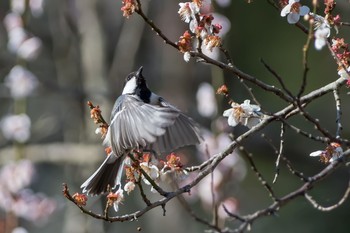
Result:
pixel 286 10
pixel 227 112
pixel 304 10
pixel 320 43
pixel 293 18
pixel 232 121
pixel 316 153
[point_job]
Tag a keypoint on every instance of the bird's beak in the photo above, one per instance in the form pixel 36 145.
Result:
pixel 139 71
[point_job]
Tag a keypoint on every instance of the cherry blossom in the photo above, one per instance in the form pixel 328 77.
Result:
pixel 330 154
pixel 115 199
pixel 247 114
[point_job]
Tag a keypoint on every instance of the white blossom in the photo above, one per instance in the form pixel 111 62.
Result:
pixel 116 198
pixel 187 56
pixel 151 170
pixel 294 10
pixel 332 152
pixel 128 187
pixel 321 35
pixel 247 114
pixel 187 11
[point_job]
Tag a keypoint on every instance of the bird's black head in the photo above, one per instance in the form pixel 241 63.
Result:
pixel 135 84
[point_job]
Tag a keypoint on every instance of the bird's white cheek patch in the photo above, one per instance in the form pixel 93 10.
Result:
pixel 130 86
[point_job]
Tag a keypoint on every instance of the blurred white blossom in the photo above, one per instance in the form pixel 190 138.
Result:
pixel 16 37
pixel 17 199
pixel 206 102
pixel 18 6
pixel 21 82
pixel 12 20
pixel 223 3
pixel 29 49
pixel 19 230
pixel 16 176
pixel 19 42
pixel 16 127
pixel 35 6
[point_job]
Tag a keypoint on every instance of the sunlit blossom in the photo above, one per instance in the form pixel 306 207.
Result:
pixel 294 10
pixel 187 11
pixel 247 114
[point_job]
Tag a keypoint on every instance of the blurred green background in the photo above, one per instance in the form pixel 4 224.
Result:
pixel 87 49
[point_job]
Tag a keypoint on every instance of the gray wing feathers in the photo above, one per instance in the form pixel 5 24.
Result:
pixel 183 132
pixel 139 124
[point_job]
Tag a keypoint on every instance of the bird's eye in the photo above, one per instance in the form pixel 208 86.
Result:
pixel 129 77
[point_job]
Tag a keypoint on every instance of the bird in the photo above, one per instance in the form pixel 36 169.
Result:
pixel 140 120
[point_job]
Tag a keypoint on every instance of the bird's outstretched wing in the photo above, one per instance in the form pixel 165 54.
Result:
pixel 162 128
pixel 184 131
pixel 136 124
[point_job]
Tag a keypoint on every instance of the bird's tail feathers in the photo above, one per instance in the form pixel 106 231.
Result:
pixel 107 176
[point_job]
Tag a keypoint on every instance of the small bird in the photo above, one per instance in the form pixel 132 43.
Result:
pixel 142 120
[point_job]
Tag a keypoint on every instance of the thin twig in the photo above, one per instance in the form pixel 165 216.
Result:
pixel 332 207
pixel 279 78
pixel 338 111
pixel 277 163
